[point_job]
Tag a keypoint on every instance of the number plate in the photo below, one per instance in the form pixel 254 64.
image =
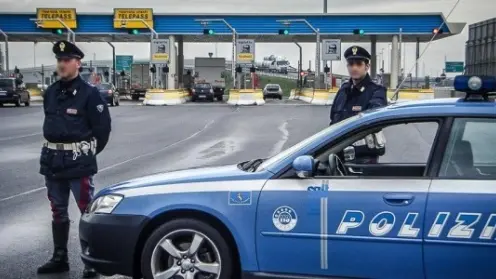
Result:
pixel 202 96
pixel 3 94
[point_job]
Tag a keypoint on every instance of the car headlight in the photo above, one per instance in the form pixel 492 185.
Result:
pixel 105 204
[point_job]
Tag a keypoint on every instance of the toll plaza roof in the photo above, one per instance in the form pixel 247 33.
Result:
pixel 261 27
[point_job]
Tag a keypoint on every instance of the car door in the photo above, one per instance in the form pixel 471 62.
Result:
pixel 349 226
pixel 460 220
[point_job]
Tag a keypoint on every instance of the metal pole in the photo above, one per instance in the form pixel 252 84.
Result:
pixel 325 6
pixel 113 62
pixel 7 57
pixel 400 50
pixel 300 67
pixel 317 56
pixel 417 56
pixel 233 58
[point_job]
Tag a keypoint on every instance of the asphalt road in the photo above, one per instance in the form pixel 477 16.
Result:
pixel 146 140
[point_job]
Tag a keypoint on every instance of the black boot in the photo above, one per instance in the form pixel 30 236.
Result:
pixel 89 272
pixel 59 262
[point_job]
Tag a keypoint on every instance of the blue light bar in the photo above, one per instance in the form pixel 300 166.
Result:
pixel 480 85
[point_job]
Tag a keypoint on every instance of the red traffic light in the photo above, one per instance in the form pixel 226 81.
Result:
pixel 302 73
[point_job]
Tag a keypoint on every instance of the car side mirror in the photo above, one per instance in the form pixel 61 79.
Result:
pixel 304 166
pixel 349 153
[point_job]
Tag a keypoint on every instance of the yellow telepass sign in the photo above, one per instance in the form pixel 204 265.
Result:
pixel 48 18
pixel 133 18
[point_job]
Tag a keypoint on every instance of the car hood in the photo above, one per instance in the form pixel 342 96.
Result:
pixel 223 173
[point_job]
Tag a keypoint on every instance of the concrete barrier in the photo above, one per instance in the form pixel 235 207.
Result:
pixel 246 97
pixel 35 94
pixel 317 96
pixel 412 94
pixel 293 95
pixel 163 97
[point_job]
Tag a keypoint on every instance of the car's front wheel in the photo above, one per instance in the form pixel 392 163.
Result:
pixel 186 249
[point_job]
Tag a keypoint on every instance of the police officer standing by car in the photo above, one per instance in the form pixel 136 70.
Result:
pixel 76 128
pixel 357 95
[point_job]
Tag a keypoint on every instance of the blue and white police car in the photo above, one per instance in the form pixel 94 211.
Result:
pixel 313 212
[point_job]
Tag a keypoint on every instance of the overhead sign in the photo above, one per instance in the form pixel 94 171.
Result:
pixel 123 62
pixel 454 67
pixel 331 50
pixel 245 51
pixel 159 51
pixel 48 18
pixel 130 18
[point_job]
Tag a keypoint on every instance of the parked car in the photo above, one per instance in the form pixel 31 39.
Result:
pixel 13 91
pixel 109 93
pixel 204 91
pixel 272 91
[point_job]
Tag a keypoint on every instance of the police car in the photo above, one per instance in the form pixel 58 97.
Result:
pixel 311 213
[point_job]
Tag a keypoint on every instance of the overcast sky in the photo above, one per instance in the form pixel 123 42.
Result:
pixel 470 11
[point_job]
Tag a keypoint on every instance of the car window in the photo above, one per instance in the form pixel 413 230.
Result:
pixel 395 150
pixel 203 85
pixel 104 86
pixel 6 83
pixel 471 152
pixel 317 137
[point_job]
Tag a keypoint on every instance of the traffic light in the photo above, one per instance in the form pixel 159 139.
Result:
pixel 252 70
pixel 57 31
pixel 283 31
pixel 106 74
pixel 133 31
pixel 327 69
pixel 358 32
pixel 437 31
pixel 165 69
pixel 153 69
pixel 302 73
pixel 123 74
pixel 239 69
pixel 208 32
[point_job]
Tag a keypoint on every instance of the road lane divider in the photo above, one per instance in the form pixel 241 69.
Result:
pixel 165 97
pixel 246 97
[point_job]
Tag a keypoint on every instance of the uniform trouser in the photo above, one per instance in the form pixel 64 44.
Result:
pixel 59 192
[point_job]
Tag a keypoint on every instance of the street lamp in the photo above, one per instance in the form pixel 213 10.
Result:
pixel 6 51
pixel 71 35
pixel 205 22
pixel 317 33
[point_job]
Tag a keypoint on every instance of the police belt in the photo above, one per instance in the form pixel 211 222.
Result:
pixel 372 141
pixel 82 146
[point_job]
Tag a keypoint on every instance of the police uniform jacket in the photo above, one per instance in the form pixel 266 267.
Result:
pixel 352 99
pixel 74 112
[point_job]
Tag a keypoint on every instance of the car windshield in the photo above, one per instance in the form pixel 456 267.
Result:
pixel 272 86
pixel 6 83
pixel 203 85
pixel 104 86
pixel 288 152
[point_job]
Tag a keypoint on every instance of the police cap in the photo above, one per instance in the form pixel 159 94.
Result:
pixel 66 49
pixel 357 53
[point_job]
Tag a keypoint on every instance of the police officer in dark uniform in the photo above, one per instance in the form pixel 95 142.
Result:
pixel 76 128
pixel 357 95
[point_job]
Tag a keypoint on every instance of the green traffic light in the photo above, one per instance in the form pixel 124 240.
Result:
pixel 210 32
pixel 362 32
pixel 286 32
pixel 59 31
pixel 135 32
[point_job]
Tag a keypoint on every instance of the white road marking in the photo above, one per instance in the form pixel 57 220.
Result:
pixel 20 137
pixel 123 162
pixel 280 144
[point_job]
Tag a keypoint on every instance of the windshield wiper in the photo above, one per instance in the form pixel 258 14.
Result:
pixel 253 164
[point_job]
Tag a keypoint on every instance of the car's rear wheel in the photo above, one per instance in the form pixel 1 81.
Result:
pixel 27 103
pixel 220 98
pixel 18 102
pixel 186 249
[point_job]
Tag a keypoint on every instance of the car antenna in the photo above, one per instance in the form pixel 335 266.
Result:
pixel 394 98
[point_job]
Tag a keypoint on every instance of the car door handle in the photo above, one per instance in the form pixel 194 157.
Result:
pixel 398 199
